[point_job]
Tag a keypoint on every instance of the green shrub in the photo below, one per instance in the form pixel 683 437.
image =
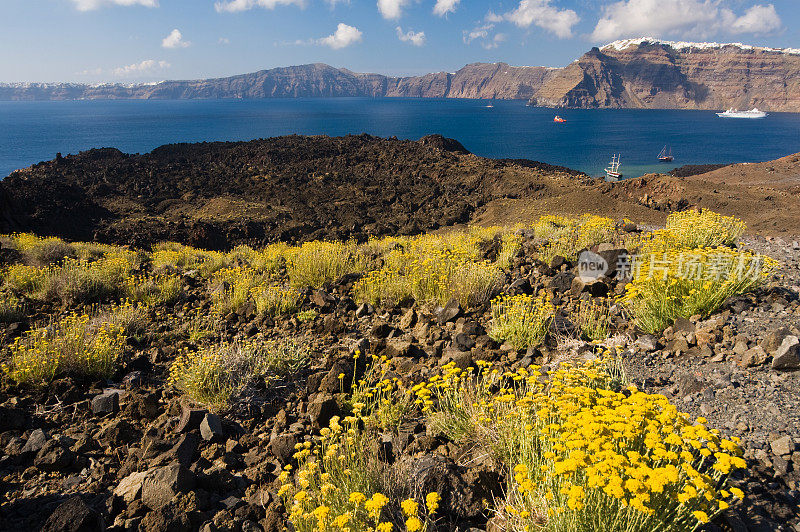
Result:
pixel 214 375
pixel 76 345
pixel 521 320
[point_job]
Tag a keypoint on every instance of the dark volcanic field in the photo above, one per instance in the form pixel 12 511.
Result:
pixel 217 195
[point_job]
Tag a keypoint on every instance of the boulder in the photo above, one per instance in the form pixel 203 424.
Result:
pixel 783 446
pixel 130 487
pixel 755 356
pixel 463 342
pixel 647 342
pixel 105 403
pixel 462 491
pixel 323 300
pixel 773 340
pixel 53 457
pixel 449 312
pixel 409 319
pixel 190 418
pixel 561 282
pixel 787 356
pixel 321 409
pixel 462 359
pixel 35 442
pixel 73 515
pixel 164 483
pixel 282 447
pixel 211 428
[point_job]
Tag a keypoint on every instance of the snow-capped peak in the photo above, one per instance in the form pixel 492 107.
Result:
pixel 684 45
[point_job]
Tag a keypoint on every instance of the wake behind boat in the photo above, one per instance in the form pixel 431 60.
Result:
pixel 735 113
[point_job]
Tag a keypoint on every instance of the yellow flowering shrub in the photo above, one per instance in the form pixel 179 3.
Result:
pixel 705 228
pixel 521 320
pixel 270 260
pixel 170 255
pixel 213 375
pixel 316 263
pixel 434 269
pixel 76 344
pixel 41 251
pixel 583 457
pixel 274 300
pixel 234 287
pixel 24 279
pixel 566 236
pixel 155 289
pixel 342 485
pixel 11 308
pixel 671 284
pixel 594 319
pixel 82 281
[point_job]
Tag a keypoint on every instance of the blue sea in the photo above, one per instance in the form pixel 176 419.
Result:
pixel 34 131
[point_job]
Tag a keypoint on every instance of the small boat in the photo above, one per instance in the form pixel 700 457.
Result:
pixel 490 106
pixel 735 113
pixel 558 119
pixel 612 172
pixel 666 155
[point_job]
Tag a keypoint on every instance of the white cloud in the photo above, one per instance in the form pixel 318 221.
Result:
pixel 417 38
pixel 223 40
pixel 175 40
pixel 695 19
pixel 392 9
pixel 88 5
pixel 343 36
pixel 333 3
pixel 757 19
pixel 233 6
pixel 481 32
pixel 148 66
pixel 542 14
pixel 494 42
pixel 444 7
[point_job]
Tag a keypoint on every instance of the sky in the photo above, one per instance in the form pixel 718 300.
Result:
pixel 128 41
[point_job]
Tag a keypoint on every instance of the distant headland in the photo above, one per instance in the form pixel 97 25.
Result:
pixel 634 73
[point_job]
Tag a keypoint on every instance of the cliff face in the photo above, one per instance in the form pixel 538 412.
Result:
pixel 640 73
pixel 661 75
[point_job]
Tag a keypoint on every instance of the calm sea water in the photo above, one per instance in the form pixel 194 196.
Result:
pixel 34 131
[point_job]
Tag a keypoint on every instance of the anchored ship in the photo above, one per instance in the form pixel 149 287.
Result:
pixel 612 172
pixel 735 113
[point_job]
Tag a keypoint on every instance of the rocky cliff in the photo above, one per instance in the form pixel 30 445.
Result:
pixel 637 73
pixel 645 73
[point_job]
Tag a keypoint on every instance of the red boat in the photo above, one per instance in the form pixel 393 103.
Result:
pixel 665 156
pixel 558 119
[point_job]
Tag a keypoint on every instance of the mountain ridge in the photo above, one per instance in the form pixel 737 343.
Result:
pixel 634 73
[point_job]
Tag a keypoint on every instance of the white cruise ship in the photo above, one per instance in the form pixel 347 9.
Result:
pixel 735 113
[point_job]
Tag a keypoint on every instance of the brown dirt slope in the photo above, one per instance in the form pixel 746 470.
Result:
pixel 217 195
pixel 765 195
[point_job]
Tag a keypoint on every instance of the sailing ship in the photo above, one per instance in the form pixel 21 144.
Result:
pixel 558 119
pixel 735 113
pixel 612 172
pixel 666 155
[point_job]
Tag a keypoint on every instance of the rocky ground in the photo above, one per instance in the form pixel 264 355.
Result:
pixel 132 454
pixel 293 189
pixel 731 369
